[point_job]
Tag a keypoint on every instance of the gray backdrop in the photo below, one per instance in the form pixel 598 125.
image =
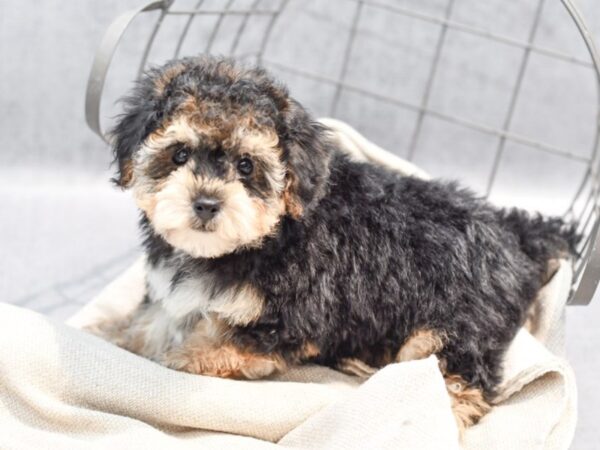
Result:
pixel 65 232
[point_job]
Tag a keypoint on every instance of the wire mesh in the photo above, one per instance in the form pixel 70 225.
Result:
pixel 338 80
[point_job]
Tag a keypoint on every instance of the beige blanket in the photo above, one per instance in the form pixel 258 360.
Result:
pixel 61 388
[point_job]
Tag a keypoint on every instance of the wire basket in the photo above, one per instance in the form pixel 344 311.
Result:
pixel 497 98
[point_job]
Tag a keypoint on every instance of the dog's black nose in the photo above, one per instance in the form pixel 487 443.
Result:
pixel 207 207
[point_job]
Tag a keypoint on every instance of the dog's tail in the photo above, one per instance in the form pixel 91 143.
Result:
pixel 542 238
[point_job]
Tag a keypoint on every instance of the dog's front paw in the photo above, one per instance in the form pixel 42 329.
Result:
pixel 223 362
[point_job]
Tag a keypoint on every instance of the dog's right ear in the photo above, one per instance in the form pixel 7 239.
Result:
pixel 307 153
pixel 141 116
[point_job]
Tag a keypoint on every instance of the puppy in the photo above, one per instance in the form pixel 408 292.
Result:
pixel 267 247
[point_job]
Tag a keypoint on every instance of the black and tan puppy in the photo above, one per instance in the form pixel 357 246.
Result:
pixel 267 247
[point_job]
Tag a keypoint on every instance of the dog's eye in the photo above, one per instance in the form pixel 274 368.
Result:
pixel 245 166
pixel 181 156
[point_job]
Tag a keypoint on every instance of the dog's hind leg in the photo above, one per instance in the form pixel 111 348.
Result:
pixel 420 345
pixel 468 403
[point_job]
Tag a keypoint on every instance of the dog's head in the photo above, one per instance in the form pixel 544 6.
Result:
pixel 216 154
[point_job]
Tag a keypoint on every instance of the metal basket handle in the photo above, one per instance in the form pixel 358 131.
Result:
pixel 102 59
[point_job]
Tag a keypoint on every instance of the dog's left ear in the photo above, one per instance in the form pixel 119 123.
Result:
pixel 307 154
